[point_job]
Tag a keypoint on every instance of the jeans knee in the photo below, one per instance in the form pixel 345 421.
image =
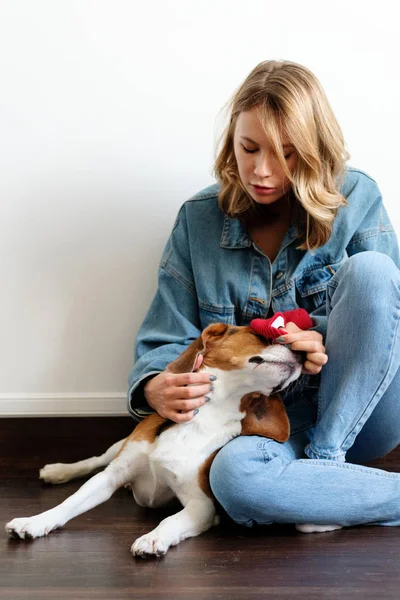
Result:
pixel 369 280
pixel 226 472
pixel 373 266
pixel 235 477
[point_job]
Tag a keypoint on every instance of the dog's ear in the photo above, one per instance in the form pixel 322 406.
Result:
pixel 188 360
pixel 214 330
pixel 265 416
pixel 185 363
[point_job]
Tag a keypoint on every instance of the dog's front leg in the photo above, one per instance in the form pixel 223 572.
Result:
pixel 197 516
pixel 93 492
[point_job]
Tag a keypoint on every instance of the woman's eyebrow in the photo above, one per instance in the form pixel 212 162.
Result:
pixel 244 137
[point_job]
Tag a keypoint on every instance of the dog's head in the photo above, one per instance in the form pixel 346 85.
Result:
pixel 266 367
pixel 255 366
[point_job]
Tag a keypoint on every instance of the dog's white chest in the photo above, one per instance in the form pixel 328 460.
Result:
pixel 181 450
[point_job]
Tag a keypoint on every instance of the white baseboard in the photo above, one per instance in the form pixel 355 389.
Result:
pixel 62 405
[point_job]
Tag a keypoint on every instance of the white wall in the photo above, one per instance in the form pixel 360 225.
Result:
pixel 107 118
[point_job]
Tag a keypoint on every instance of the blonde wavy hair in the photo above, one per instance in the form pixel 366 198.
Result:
pixel 289 100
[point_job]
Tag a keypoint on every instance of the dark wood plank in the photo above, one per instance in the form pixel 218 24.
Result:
pixel 90 557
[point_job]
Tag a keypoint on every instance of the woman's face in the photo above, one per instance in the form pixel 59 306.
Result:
pixel 259 168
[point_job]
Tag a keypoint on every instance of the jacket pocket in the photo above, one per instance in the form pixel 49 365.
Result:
pixel 216 314
pixel 311 285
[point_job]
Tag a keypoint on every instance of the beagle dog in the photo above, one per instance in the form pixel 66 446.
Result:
pixel 162 459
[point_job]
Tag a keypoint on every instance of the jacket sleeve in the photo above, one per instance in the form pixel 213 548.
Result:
pixel 375 232
pixel 172 321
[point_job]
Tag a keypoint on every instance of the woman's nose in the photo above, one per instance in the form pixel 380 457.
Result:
pixel 262 167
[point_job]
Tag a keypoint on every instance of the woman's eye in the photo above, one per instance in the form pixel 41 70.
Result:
pixel 248 150
pixel 252 151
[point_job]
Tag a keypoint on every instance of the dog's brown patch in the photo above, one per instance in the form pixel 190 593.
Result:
pixel 265 416
pixel 223 347
pixel 148 430
pixel 204 475
pixel 228 348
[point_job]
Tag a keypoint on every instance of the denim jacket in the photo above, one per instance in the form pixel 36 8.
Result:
pixel 211 271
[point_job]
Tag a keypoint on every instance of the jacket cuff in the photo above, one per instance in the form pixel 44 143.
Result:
pixel 138 406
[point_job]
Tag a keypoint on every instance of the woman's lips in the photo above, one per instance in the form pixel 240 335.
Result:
pixel 264 191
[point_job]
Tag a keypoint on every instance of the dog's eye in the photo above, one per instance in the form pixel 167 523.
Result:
pixel 263 338
pixel 256 359
pixel 232 331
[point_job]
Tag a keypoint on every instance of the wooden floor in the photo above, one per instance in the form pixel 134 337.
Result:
pixel 90 557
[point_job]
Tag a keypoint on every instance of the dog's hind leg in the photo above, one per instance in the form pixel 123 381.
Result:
pixel 94 492
pixel 63 472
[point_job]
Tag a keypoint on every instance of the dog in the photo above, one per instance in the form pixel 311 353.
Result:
pixel 161 459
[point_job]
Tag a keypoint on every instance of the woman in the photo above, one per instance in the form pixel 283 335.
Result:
pixel 288 225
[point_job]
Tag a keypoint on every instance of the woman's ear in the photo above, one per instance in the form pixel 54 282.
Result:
pixel 265 416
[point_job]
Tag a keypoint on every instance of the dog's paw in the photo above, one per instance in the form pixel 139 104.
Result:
pixel 27 528
pixel 310 528
pixel 55 473
pixel 149 545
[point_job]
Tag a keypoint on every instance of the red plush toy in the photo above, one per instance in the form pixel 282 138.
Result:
pixel 275 326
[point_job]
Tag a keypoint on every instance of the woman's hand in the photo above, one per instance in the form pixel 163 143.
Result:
pixel 177 397
pixel 309 342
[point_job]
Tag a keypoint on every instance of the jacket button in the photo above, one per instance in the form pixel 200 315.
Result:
pixel 278 274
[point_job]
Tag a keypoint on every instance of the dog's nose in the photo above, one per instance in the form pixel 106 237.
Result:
pixel 256 359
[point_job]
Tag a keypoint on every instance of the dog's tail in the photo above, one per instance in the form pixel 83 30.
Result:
pixel 63 472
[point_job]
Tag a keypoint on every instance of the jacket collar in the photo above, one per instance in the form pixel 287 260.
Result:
pixel 235 235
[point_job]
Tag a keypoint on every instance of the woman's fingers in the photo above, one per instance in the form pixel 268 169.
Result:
pixel 310 368
pixel 187 395
pixel 318 358
pixel 170 393
pixel 184 410
pixel 182 379
pixel 303 341
pixel 183 417
pixel 309 346
pixel 189 405
pixel 190 392
pixel 309 342
pixel 301 336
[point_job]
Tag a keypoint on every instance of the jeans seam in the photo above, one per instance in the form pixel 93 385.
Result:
pixel 269 456
pixel 342 465
pixel 261 446
pixel 316 455
pixel 333 283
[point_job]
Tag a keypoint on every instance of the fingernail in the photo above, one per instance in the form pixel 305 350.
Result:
pixel 207 398
pixel 212 378
pixel 195 412
pixel 280 339
pixel 211 388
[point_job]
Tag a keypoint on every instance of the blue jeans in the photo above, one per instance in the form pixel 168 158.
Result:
pixel 353 417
